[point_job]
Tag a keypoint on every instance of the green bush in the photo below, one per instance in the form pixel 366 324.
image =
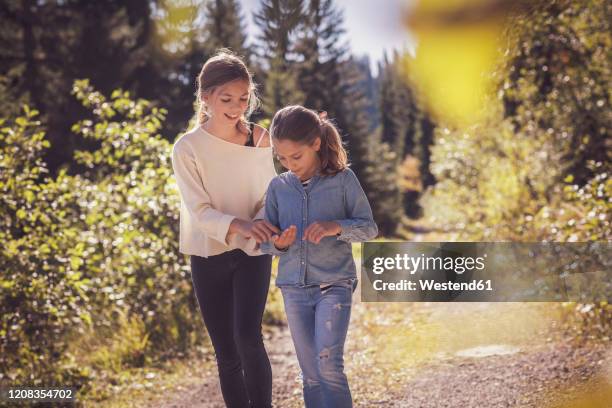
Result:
pixel 44 293
pixel 86 255
pixel 132 218
pixel 538 168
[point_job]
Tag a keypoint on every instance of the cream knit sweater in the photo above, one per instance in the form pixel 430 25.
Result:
pixel 218 181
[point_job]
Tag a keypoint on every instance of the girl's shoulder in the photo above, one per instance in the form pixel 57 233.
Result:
pixel 185 141
pixel 347 179
pixel 282 181
pixel 282 178
pixel 261 137
pixel 350 178
pixel 343 176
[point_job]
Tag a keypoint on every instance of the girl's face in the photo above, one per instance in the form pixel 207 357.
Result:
pixel 228 102
pixel 300 158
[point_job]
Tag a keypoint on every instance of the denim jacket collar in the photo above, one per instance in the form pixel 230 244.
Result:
pixel 297 183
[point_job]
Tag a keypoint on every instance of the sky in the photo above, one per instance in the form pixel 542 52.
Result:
pixel 372 27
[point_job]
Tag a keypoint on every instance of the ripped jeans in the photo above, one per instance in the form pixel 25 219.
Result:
pixel 318 321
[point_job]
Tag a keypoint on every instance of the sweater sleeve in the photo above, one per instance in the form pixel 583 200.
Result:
pixel 261 212
pixel 195 197
pixel 261 204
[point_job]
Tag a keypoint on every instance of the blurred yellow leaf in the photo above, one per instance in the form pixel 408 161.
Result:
pixel 29 196
pixel 457 45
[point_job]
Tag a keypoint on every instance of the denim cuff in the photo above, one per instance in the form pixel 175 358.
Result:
pixel 269 248
pixel 347 231
pixel 356 230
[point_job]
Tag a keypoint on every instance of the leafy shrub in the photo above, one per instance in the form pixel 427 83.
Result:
pixel 94 252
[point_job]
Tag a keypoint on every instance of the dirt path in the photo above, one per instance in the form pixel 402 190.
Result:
pixel 286 386
pixel 547 376
pixel 428 368
pixel 439 355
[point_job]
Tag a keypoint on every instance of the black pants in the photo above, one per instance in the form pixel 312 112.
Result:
pixel 231 289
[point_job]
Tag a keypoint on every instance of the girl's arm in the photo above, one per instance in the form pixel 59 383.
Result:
pixel 195 197
pixel 261 133
pixel 261 206
pixel 271 215
pixel 360 225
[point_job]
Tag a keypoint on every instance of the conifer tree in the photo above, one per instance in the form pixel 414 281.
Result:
pixel 332 80
pixel 139 46
pixel 224 27
pixel 393 120
pixel 406 126
pixel 328 76
pixel 399 108
pixel 322 50
pixel 373 160
pixel 368 84
pixel 277 21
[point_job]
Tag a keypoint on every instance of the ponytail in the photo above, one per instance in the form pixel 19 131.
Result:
pixel 332 154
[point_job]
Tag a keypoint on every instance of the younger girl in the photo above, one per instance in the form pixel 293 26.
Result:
pixel 321 208
pixel 222 167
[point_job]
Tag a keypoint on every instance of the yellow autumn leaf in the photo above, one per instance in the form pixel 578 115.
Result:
pixel 29 196
pixel 457 49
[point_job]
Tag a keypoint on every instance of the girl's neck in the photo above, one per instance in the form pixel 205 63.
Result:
pixel 229 133
pixel 310 174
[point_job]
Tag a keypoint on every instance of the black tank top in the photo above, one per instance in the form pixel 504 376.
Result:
pixel 249 141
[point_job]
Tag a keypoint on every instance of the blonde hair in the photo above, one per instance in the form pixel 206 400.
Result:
pixel 302 125
pixel 222 68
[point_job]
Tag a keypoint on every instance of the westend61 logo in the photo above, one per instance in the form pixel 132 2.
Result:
pixel 486 271
pixel 413 264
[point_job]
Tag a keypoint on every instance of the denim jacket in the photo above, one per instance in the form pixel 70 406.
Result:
pixel 337 198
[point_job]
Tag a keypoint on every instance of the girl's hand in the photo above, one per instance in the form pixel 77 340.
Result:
pixel 285 239
pixel 260 230
pixel 319 229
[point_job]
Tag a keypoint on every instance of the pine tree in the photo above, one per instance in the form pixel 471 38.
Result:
pixel 328 76
pixel 407 127
pixel 322 50
pixel 374 161
pixel 424 144
pixel 419 126
pixel 277 21
pixel 381 182
pixel 332 80
pixel 38 65
pixel 368 84
pixel 140 46
pixel 399 109
pixel 392 120
pixel 224 27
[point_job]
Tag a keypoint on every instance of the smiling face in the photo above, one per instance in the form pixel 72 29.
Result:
pixel 300 158
pixel 228 102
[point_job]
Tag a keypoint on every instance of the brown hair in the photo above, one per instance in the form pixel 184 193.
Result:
pixel 220 69
pixel 302 125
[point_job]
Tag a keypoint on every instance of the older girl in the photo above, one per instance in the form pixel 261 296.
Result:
pixel 223 167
